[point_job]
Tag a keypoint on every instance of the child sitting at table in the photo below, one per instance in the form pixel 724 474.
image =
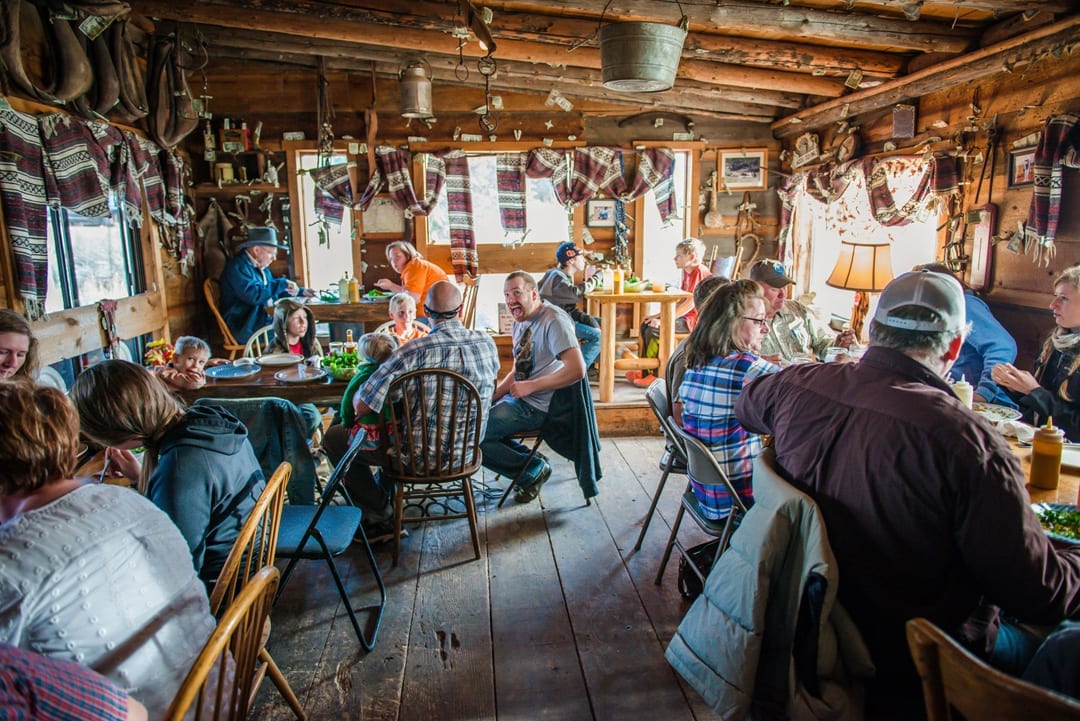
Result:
pixel 403 313
pixel 689 254
pixel 294 330
pixel 372 349
pixel 186 370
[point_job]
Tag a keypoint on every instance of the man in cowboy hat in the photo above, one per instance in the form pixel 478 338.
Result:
pixel 247 287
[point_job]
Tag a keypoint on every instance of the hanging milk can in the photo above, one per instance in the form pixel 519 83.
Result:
pixel 415 87
pixel 641 57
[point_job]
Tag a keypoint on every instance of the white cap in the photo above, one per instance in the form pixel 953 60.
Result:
pixel 938 292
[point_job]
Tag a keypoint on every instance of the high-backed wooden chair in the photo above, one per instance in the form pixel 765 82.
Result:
pixel 256 547
pixel 673 460
pixel 468 300
pixel 219 685
pixel 328 530
pixel 954 680
pixel 259 342
pixel 434 447
pixel 212 291
pixel 701 463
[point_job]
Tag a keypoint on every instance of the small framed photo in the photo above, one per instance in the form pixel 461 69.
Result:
pixel 744 168
pixel 1021 167
pixel 600 214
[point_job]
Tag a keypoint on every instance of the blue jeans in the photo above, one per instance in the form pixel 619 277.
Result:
pixel 508 416
pixel 1013 648
pixel 590 342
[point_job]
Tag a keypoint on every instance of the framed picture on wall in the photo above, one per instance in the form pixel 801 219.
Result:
pixel 382 216
pixel 744 168
pixel 1021 167
pixel 600 214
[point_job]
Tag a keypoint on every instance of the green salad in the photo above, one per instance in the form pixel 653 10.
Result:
pixel 1061 521
pixel 341 365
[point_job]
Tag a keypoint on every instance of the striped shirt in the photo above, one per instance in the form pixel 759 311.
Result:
pixel 709 394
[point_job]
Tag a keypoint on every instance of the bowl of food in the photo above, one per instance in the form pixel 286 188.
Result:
pixel 636 285
pixel 1060 521
pixel 341 366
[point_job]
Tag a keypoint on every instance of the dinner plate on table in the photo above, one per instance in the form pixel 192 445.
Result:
pixel 995 413
pixel 294 375
pixel 230 371
pixel 1059 508
pixel 279 359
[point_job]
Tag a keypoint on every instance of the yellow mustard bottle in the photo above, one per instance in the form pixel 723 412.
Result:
pixel 1046 447
pixel 354 290
pixel 617 281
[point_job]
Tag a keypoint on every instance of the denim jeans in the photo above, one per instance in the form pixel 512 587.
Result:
pixel 590 342
pixel 508 416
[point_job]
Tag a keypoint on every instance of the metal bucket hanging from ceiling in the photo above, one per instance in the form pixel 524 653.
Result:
pixel 641 57
pixel 415 88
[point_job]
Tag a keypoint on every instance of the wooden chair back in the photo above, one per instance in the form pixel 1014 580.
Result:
pixel 468 300
pixel 434 447
pixel 212 291
pixel 954 680
pixel 259 342
pixel 387 327
pixel 218 687
pixel 256 545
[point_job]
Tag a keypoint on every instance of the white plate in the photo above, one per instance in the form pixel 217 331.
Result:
pixel 228 370
pixel 292 375
pixel 995 413
pixel 279 359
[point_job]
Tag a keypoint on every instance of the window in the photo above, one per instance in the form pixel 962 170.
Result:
pixel 546 219
pixel 91 259
pixel 661 239
pixel 327 258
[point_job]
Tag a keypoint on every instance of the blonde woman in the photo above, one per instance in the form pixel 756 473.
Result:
pixel 417 274
pixel 198 466
pixel 1054 388
pixel 723 354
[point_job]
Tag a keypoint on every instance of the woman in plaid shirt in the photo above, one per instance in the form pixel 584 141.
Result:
pixel 722 356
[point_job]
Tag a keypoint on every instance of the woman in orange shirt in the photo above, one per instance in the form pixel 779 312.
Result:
pixel 417 274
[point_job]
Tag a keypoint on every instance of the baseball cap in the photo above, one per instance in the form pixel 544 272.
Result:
pixel 938 292
pixel 770 272
pixel 567 251
pixel 261 235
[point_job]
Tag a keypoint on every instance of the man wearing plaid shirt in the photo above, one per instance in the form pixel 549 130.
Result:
pixel 451 346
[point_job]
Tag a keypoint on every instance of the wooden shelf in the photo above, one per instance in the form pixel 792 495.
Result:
pixel 206 190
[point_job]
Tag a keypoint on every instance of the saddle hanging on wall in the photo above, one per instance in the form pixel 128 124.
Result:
pixel 129 74
pixel 172 110
pixel 66 70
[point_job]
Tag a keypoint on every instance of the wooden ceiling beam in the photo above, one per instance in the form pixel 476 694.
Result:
pixel 764 19
pixel 582 80
pixel 695 102
pixel 1006 56
pixel 346 27
pixel 988 6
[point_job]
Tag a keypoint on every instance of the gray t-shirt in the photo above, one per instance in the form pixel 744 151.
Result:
pixel 538 343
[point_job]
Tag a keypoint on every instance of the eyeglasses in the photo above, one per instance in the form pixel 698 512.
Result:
pixel 761 322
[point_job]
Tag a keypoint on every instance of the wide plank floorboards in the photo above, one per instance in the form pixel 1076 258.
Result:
pixel 559 619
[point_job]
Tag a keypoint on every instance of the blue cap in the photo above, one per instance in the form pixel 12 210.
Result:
pixel 567 251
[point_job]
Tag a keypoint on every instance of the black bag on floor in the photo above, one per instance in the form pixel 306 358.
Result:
pixel 702 556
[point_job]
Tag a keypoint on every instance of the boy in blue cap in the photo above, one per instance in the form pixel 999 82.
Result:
pixel 558 288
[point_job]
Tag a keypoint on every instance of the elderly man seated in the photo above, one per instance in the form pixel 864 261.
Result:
pixel 794 332
pixel 247 287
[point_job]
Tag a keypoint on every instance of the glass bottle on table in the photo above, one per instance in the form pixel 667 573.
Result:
pixel 350 344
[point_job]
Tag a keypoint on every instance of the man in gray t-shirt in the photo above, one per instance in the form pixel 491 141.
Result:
pixel 546 358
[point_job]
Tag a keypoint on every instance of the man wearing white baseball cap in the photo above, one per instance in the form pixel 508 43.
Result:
pixel 247 287
pixel 924 503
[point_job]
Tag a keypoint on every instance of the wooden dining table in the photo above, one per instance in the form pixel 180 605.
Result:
pixel 607 303
pixel 1068 482
pixel 324 391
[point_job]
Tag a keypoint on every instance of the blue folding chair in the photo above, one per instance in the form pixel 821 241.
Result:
pixel 327 530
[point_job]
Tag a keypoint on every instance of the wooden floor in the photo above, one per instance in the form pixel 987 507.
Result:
pixel 559 619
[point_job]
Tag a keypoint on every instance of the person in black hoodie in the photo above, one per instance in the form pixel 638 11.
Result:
pixel 198 466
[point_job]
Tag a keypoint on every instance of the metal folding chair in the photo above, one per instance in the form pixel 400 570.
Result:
pixel 674 458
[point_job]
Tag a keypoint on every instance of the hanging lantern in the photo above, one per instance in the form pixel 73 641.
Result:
pixel 415 80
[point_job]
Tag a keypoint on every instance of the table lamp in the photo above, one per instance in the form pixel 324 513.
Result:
pixel 865 269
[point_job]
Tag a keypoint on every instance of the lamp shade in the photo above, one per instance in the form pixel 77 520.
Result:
pixel 863 268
